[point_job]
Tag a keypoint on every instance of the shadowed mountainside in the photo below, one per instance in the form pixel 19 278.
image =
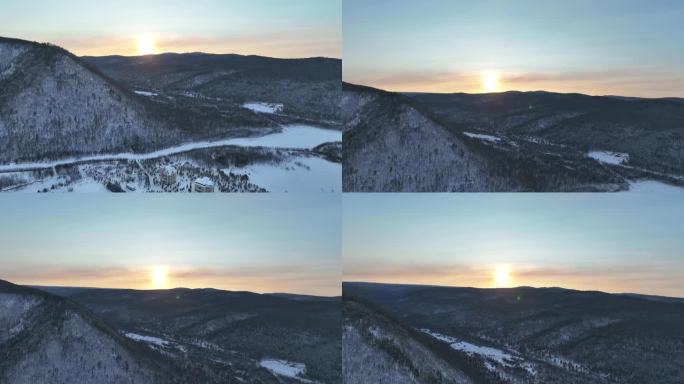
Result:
pixel 44 338
pixel 651 131
pixel 549 335
pixel 56 105
pixel 85 335
pixel 51 104
pixel 505 142
pixel 309 87
pixel 234 327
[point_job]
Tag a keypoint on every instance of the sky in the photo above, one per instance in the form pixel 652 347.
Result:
pixel 276 28
pixel 608 47
pixel 260 243
pixel 626 242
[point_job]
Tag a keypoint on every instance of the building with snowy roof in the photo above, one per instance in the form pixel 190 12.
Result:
pixel 203 184
pixel 168 175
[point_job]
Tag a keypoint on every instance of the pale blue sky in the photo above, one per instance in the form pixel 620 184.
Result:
pixel 612 242
pixel 268 27
pixel 630 47
pixel 260 243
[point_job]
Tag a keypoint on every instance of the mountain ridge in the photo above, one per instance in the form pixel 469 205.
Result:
pixel 417 285
pixel 54 104
pixel 175 336
pixel 63 336
pixel 511 141
pixel 395 143
pixel 550 335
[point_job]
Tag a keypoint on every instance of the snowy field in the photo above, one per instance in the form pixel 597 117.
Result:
pixel 145 93
pixel 492 354
pixel 482 137
pixel 615 158
pixel 292 136
pixel 52 184
pixel 147 339
pixel 303 174
pixel 261 107
pixel 497 355
pixel 283 367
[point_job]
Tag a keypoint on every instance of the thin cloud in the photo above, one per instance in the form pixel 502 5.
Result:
pixel 644 82
pixel 319 279
pixel 660 279
pixel 418 81
pixel 285 45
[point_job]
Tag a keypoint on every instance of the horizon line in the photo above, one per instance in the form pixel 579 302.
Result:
pixel 205 53
pixel 512 91
pixel 38 286
pixel 36 42
pixel 516 287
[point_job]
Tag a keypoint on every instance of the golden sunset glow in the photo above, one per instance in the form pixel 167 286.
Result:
pixel 502 276
pixel 490 81
pixel 146 45
pixel 159 277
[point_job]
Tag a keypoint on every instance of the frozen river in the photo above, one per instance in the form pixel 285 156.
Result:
pixel 305 174
pixel 292 136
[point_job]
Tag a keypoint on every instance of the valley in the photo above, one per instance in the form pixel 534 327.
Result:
pixel 230 164
pixel 167 336
pixel 510 141
pixel 515 335
pixel 115 123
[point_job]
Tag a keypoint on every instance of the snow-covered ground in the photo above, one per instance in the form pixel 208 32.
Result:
pixel 86 186
pixel 83 186
pixel 261 107
pixel 302 174
pixel 292 136
pixel 653 186
pixel 491 354
pixel 156 343
pixel 482 137
pixel 145 93
pixel 497 355
pixel 562 362
pixel 608 157
pixel 147 339
pixel 284 367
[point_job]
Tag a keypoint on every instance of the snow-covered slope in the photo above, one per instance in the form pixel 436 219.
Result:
pixel 376 349
pixel 394 143
pixel 46 339
pixel 230 334
pixel 539 335
pixel 52 105
pixel 389 145
pixel 307 87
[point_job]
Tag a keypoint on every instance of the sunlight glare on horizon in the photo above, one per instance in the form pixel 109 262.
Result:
pixel 490 81
pixel 159 277
pixel 146 45
pixel 502 276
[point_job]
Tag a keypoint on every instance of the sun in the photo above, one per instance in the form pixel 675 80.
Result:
pixel 159 277
pixel 490 81
pixel 146 45
pixel 502 276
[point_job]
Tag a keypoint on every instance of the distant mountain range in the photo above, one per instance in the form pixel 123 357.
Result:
pixel 85 335
pixel 54 104
pixel 511 141
pixel 307 87
pixel 423 334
